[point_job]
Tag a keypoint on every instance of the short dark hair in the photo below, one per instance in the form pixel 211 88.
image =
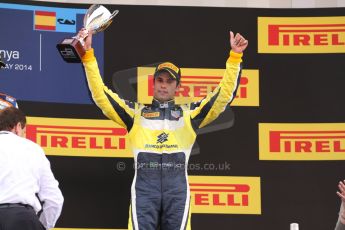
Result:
pixel 9 118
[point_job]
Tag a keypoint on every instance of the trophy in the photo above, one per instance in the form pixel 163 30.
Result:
pixel 96 19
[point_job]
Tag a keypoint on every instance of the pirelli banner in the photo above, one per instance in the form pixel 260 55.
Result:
pixel 71 137
pixel 302 141
pixel 274 157
pixel 225 195
pixel 197 82
pixel 301 34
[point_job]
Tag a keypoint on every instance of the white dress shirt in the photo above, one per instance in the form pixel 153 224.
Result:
pixel 24 172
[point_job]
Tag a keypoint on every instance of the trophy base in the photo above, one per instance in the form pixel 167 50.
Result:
pixel 71 50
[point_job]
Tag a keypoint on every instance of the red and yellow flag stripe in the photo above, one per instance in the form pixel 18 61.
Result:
pixel 45 20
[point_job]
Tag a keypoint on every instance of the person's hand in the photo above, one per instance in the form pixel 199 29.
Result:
pixel 341 194
pixel 86 36
pixel 238 43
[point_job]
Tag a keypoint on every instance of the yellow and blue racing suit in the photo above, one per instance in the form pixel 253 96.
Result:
pixel 161 137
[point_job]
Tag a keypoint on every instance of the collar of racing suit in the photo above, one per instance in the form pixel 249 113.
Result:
pixel 163 105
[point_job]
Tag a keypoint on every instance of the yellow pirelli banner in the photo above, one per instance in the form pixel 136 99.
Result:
pixel 302 141
pixel 196 83
pixel 301 34
pixel 225 195
pixel 78 137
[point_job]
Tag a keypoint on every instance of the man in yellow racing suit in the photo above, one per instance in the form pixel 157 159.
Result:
pixel 161 136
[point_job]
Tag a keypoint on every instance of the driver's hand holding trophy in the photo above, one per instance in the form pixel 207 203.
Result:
pixel 96 19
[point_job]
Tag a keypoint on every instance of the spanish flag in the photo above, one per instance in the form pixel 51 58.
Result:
pixel 45 20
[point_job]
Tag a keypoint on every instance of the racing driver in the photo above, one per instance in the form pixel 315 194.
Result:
pixel 162 134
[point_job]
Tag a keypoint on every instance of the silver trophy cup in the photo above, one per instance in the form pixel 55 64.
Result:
pixel 96 19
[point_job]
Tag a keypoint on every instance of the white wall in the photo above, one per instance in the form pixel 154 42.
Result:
pixel 220 3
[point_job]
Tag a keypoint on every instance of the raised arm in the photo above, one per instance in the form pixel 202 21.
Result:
pixel 341 193
pixel 114 107
pixel 209 108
